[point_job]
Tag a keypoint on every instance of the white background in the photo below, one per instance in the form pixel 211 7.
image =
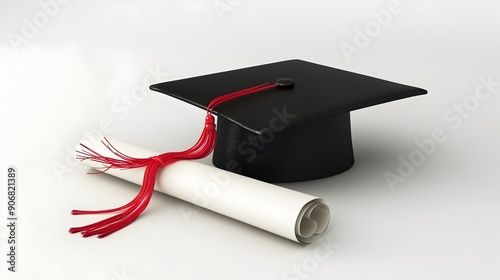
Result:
pixel 81 66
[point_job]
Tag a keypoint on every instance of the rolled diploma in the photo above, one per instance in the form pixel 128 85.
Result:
pixel 297 216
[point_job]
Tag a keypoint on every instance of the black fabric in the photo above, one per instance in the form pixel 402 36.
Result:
pixel 307 151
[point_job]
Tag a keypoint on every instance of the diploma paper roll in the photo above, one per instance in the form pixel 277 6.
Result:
pixel 297 216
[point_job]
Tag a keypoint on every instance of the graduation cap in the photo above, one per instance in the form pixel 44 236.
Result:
pixel 298 130
pixel 280 122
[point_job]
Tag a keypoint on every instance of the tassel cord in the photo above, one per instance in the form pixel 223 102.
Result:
pixel 126 214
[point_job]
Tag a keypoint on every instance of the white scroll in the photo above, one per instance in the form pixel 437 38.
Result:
pixel 297 216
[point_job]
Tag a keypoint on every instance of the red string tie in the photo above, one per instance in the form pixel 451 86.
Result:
pixel 127 213
pixel 158 159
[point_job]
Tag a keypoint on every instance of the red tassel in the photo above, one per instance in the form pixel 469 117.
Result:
pixel 127 213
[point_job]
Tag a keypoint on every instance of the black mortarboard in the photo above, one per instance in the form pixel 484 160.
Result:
pixel 297 131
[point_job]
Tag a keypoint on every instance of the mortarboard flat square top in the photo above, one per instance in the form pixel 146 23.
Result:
pixel 286 134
